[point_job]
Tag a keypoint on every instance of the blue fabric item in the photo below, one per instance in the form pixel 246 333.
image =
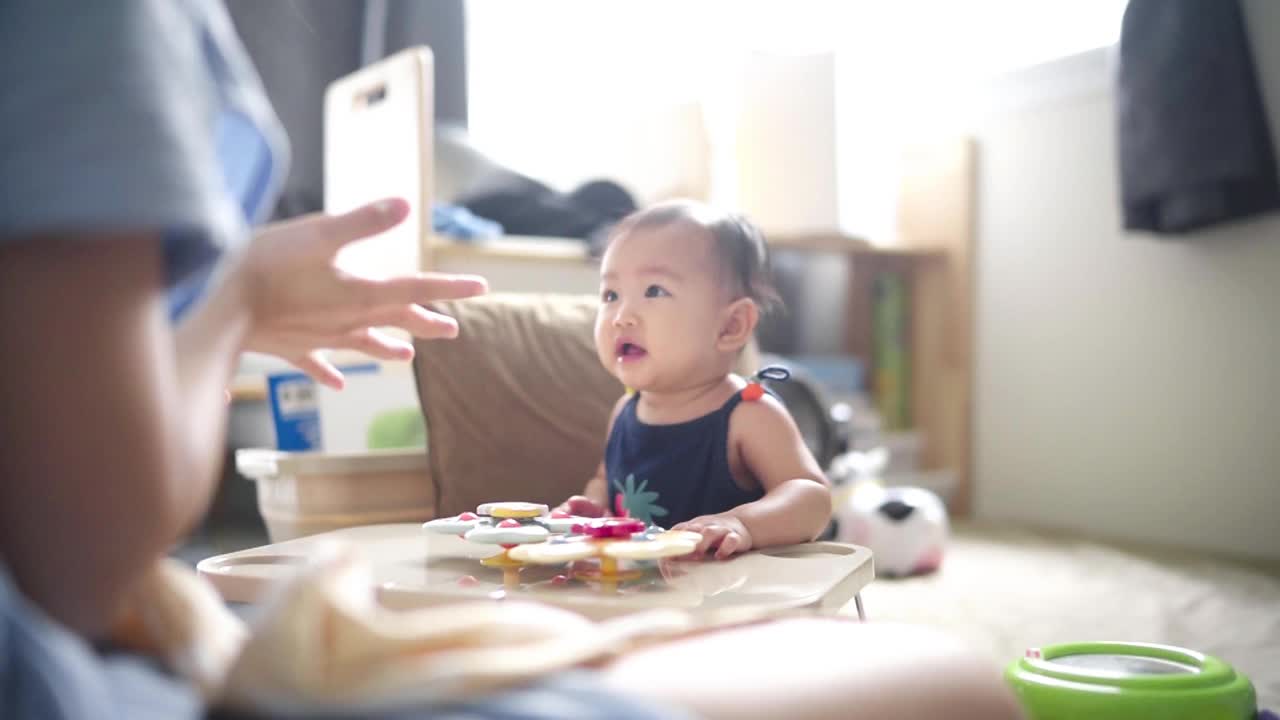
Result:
pixel 667 474
pixel 48 672
pixel 121 129
pixel 458 222
pixel 247 162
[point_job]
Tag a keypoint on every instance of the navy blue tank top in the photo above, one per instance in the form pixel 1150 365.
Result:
pixel 667 474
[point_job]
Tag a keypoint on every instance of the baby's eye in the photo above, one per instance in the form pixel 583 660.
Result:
pixel 656 291
pixel 608 296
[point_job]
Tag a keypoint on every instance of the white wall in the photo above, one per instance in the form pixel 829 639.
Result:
pixel 1126 386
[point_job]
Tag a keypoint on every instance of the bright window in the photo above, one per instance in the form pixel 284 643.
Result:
pixel 566 90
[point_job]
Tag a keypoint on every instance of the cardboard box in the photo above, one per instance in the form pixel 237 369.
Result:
pixel 377 410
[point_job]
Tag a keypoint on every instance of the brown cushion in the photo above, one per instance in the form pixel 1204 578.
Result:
pixel 516 407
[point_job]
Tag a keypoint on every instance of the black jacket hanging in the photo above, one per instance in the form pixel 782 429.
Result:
pixel 1193 140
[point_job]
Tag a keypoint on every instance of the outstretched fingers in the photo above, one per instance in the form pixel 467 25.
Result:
pixel 419 289
pixel 378 344
pixel 319 369
pixel 363 222
pixel 414 319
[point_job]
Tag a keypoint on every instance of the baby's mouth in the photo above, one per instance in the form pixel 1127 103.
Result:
pixel 627 350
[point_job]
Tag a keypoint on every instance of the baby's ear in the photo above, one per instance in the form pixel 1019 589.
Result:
pixel 739 323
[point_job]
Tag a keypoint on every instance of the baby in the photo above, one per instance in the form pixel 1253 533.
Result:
pixel 681 290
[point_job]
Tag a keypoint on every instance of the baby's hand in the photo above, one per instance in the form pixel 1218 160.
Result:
pixel 582 506
pixel 723 533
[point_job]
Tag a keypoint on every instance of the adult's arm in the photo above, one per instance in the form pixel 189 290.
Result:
pixel 112 435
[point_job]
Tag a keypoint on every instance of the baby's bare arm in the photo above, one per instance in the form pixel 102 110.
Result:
pixel 797 502
pixel 594 500
pixel 597 488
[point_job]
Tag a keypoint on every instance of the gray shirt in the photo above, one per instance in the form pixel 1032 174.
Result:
pixel 134 115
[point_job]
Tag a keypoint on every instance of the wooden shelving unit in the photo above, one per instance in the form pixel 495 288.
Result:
pixel 936 212
pixel 933 253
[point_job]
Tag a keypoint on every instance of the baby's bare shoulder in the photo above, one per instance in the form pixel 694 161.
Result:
pixel 763 414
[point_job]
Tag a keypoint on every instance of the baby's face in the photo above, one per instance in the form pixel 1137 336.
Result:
pixel 660 309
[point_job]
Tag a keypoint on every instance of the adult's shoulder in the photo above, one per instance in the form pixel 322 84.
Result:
pixel 112 115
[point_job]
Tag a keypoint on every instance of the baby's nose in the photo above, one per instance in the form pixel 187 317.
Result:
pixel 624 317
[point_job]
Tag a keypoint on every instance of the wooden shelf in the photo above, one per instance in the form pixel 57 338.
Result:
pixel 934 257
pixel 248 388
pixel 566 250
pixel 512 247
pixel 835 242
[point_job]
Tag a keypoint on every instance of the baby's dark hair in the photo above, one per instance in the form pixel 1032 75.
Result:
pixel 738 245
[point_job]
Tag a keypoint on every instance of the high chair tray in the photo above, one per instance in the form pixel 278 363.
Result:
pixel 412 568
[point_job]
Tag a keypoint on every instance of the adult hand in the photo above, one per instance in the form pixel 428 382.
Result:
pixel 300 302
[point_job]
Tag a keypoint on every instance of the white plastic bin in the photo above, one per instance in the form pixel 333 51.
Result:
pixel 307 493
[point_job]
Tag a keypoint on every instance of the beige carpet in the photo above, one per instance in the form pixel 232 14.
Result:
pixel 1007 590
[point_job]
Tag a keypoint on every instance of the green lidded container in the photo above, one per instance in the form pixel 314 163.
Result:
pixel 1129 681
